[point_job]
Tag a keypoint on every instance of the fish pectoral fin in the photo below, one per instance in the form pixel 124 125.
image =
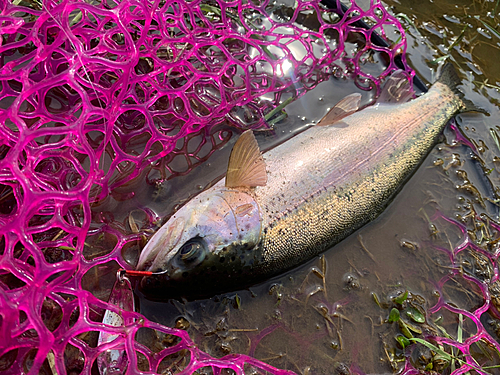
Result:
pixel 397 89
pixel 246 166
pixel 344 108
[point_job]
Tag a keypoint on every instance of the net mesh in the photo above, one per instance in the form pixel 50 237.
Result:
pixel 461 333
pixel 101 99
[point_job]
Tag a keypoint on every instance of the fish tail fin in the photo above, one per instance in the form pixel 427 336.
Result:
pixel 448 76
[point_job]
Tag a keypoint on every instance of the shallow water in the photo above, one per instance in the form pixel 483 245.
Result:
pixel 435 246
pixel 302 323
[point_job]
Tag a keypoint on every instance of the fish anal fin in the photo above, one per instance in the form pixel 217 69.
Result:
pixel 344 108
pixel 246 166
pixel 397 89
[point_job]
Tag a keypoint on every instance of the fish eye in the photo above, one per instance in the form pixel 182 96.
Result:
pixel 192 251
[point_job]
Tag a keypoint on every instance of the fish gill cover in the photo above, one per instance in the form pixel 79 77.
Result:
pixel 96 97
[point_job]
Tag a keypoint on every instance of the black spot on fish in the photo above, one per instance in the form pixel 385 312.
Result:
pixel 222 259
pixel 185 274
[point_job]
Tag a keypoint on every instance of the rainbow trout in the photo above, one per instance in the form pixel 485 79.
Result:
pixel 278 210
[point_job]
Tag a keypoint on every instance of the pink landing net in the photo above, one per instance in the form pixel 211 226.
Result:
pixel 96 96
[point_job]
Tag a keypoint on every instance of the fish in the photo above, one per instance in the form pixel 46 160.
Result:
pixel 277 210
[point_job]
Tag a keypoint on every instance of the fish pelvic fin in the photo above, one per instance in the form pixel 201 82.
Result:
pixel 344 108
pixel 246 166
pixel 448 76
pixel 397 89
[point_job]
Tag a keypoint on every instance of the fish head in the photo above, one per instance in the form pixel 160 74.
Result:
pixel 209 240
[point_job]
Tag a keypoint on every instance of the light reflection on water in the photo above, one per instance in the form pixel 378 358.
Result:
pixel 291 322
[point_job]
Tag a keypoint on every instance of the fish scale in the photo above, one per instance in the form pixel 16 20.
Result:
pixel 355 170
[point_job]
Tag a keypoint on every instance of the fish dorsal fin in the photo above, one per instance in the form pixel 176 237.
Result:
pixel 344 108
pixel 397 89
pixel 246 166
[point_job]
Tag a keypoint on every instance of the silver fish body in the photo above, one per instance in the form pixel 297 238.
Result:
pixel 322 185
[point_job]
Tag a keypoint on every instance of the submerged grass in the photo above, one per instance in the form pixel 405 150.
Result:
pixel 487 25
pixel 469 37
pixel 440 355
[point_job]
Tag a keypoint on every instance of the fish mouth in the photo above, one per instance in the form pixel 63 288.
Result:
pixel 163 243
pixel 153 282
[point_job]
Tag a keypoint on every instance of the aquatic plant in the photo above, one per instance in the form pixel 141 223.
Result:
pixel 101 101
pixel 458 329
